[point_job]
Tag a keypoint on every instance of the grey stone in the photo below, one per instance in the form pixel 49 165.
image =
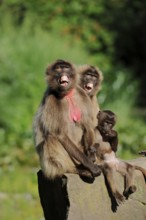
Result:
pixel 92 201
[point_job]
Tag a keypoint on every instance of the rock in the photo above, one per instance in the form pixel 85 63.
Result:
pixel 92 201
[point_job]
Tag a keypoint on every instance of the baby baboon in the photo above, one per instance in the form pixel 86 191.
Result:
pixel 106 122
pixel 63 118
pixel 109 163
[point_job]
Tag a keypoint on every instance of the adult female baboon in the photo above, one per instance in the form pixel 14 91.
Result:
pixel 64 118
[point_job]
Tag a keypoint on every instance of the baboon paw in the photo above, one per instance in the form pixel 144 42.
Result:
pixel 130 190
pixel 92 154
pixel 119 198
pixel 87 178
pixel 96 171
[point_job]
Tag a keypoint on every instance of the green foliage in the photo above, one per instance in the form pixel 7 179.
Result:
pixel 109 34
pixel 27 48
pixel 19 194
pixel 24 55
pixel 130 127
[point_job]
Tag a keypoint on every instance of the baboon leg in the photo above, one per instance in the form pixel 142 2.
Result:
pixel 109 174
pixel 129 181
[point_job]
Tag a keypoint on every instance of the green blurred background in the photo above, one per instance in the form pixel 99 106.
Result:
pixel 109 34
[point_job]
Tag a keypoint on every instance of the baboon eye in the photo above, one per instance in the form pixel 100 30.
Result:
pixel 66 69
pixel 87 77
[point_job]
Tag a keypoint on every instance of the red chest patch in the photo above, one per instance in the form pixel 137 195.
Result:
pixel 74 111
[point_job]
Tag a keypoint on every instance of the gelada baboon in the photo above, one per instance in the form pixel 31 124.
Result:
pixel 90 80
pixel 107 157
pixel 63 118
pixel 106 122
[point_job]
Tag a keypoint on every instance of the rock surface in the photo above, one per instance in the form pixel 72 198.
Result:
pixel 92 202
pixel 70 198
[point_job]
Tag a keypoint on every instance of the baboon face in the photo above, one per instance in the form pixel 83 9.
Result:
pixel 106 121
pixel 90 80
pixel 61 76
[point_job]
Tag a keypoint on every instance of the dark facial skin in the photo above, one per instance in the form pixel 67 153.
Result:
pixel 61 78
pixel 90 81
pixel 106 126
pixel 106 121
pixel 63 74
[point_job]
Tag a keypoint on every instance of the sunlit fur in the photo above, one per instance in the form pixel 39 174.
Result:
pixel 57 139
pixel 85 69
pixel 82 71
pixel 110 164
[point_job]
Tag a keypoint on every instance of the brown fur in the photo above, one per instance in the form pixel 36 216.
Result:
pixel 90 79
pixel 106 122
pixel 103 152
pixel 93 76
pixel 110 164
pixel 57 139
pixel 92 71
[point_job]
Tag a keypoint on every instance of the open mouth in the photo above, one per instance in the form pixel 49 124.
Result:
pixel 88 87
pixel 64 81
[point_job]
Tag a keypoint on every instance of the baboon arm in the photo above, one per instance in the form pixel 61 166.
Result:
pixel 114 141
pixel 74 152
pixel 88 138
pixel 114 144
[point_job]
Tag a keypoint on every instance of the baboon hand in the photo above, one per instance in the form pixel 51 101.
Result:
pixel 96 171
pixel 91 153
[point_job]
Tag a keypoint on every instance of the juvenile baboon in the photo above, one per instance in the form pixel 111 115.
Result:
pixel 90 80
pixel 109 163
pixel 63 119
pixel 106 122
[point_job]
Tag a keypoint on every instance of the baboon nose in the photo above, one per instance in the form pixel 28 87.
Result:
pixel 89 87
pixel 64 80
